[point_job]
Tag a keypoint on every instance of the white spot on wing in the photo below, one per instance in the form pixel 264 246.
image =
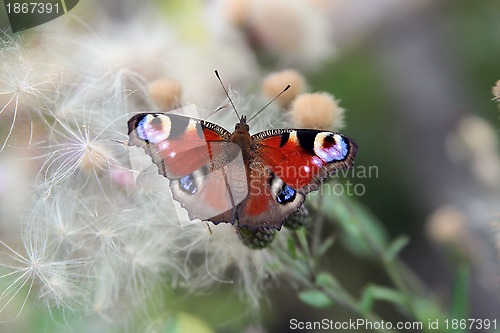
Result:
pixel 276 186
pixel 191 125
pixel 293 137
pixel 317 161
pixel 148 130
pixel 163 145
pixel 318 146
pixel 337 152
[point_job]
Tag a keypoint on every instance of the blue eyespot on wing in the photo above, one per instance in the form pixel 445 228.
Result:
pixel 286 195
pixel 188 184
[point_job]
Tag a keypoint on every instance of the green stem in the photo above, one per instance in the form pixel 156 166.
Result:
pixel 460 302
pixel 403 278
pixel 307 276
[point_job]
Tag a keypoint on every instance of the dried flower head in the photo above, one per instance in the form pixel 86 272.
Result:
pixel 95 157
pixel 475 142
pixel 166 93
pixel 39 268
pixel 226 259
pixel 275 82
pixel 101 230
pixel 295 32
pixel 236 11
pixel 496 91
pixel 27 88
pixel 496 228
pixel 447 226
pixel 318 110
pixel 76 149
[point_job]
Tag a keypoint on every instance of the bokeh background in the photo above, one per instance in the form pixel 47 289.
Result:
pixel 416 80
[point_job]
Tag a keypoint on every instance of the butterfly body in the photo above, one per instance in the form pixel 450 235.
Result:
pixel 252 180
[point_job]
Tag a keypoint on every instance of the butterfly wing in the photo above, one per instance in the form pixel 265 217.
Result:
pixel 177 144
pixel 213 192
pixel 303 158
pixel 206 172
pixel 288 164
pixel 270 199
pixel 212 180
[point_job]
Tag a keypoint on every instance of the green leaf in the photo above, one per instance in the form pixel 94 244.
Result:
pixel 361 230
pixel 292 249
pixel 395 247
pixel 325 280
pixel 302 235
pixel 325 245
pixel 184 322
pixel 428 311
pixel 315 298
pixel 374 293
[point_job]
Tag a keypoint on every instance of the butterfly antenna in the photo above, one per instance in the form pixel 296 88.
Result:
pixel 227 94
pixel 222 107
pixel 265 106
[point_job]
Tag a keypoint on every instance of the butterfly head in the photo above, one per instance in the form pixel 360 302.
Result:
pixel 242 126
pixel 241 134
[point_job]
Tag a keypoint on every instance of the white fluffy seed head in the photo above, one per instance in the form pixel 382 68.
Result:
pixel 317 111
pixel 116 242
pixel 27 89
pixel 42 266
pixel 75 152
pixel 95 157
pixel 225 259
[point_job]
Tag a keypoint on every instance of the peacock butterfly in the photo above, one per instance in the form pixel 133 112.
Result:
pixel 256 181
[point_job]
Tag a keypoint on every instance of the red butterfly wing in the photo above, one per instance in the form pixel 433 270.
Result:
pixel 302 158
pixel 178 145
pixel 205 170
pixel 286 165
pixel 270 200
pixel 213 181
